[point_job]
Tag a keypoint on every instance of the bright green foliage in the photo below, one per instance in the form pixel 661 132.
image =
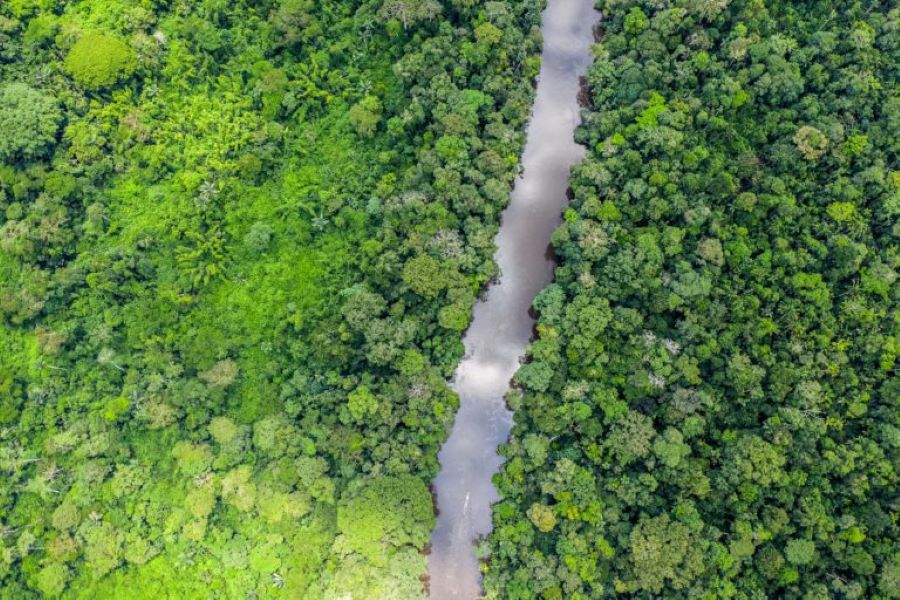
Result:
pixel 201 501
pixel 800 552
pixel 535 375
pixel 52 579
pixel 102 547
pixel 211 342
pixel 356 577
pixel 386 514
pixel 98 61
pixel 542 517
pixel 222 429
pixel 361 403
pixel 714 375
pixel 192 459
pixel 66 516
pixel 115 407
pixel 455 316
pixel 365 115
pixel 29 120
pixel 424 276
pixel 238 489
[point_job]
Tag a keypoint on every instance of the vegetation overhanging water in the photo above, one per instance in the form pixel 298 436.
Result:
pixel 502 326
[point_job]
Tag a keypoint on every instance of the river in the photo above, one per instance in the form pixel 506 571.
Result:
pixel 501 325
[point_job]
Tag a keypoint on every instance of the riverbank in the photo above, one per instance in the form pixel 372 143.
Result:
pixel 502 326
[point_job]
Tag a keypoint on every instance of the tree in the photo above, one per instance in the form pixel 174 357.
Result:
pixel 223 430
pixel 200 501
pixel 409 12
pixel 636 21
pixel 664 553
pixel 670 447
pixel 631 437
pixel 365 116
pixel 384 515
pixel 220 375
pixel 238 489
pixel 362 403
pixel 536 375
pixel 424 276
pixel 542 516
pixel 455 316
pixel 192 459
pixel 103 547
pixel 164 371
pixel 295 21
pixel 66 516
pixel 810 142
pixel 800 552
pixel 52 579
pixel 889 582
pixel 258 238
pixel 29 120
pixel 98 61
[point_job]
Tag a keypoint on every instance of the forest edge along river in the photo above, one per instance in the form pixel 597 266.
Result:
pixel 502 324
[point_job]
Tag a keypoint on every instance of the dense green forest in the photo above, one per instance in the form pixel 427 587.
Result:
pixel 239 243
pixel 710 409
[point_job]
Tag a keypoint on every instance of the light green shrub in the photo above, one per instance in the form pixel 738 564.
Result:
pixel 97 61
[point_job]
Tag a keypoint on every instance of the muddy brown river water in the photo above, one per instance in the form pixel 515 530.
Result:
pixel 501 327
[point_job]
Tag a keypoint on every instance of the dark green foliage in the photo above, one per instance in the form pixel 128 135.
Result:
pixel 724 318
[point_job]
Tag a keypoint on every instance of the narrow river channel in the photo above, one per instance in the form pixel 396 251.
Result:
pixel 501 327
